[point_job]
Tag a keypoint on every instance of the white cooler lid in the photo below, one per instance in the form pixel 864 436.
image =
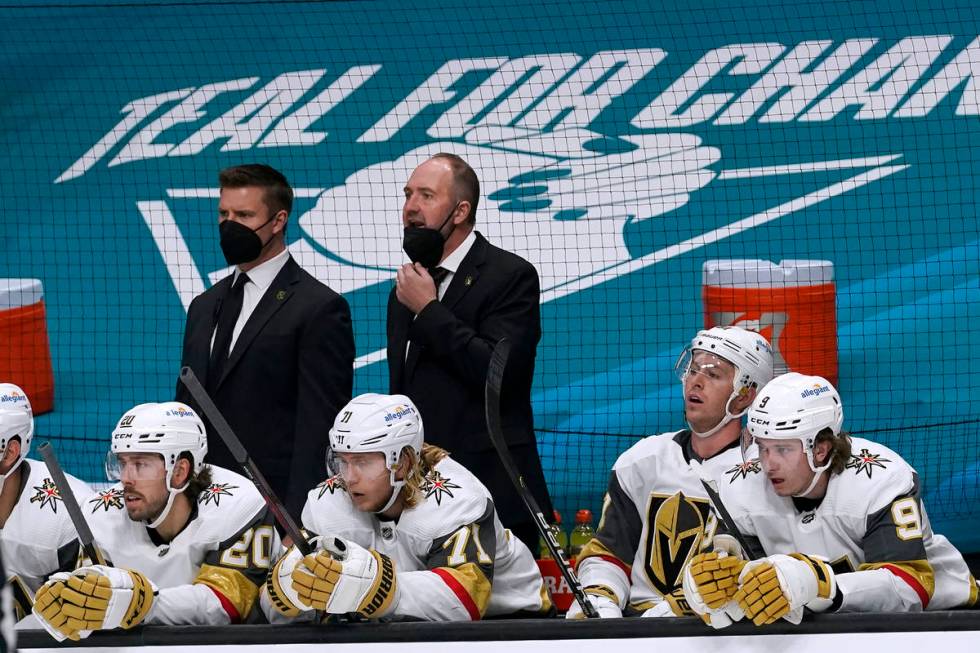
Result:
pixel 758 273
pixel 15 293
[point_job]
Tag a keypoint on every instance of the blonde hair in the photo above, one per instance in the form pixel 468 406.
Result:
pixel 419 469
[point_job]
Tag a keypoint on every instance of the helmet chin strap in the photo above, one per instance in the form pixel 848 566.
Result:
pixel 720 425
pixel 813 483
pixel 817 473
pixel 396 488
pixel 173 492
pixel 717 427
pixel 4 477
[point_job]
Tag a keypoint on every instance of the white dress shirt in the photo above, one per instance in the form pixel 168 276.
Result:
pixel 453 261
pixel 259 279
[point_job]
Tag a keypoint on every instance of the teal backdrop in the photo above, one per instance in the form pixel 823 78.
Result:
pixel 620 145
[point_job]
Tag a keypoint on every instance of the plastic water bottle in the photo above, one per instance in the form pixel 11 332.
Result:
pixel 560 536
pixel 582 532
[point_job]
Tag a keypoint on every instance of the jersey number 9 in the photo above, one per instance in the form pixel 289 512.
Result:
pixel 908 523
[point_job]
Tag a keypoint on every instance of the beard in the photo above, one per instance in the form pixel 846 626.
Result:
pixel 145 510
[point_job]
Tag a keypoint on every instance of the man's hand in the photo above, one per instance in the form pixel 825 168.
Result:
pixel 710 584
pixel 711 579
pixel 94 598
pixel 780 586
pixel 279 585
pixel 414 287
pixel 602 599
pixel 345 577
pixel 48 608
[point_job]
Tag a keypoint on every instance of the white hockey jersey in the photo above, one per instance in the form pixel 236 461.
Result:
pixel 453 558
pixel 653 521
pixel 210 573
pixel 38 538
pixel 870 522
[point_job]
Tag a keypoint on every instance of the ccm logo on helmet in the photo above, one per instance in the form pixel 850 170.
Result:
pixel 756 420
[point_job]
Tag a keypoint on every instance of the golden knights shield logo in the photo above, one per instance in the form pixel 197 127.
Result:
pixel 675 530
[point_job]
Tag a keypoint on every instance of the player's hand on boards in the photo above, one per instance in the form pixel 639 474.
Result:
pixel 710 583
pixel 48 609
pixel 345 577
pixel 780 586
pixel 601 599
pixel 279 583
pixel 94 598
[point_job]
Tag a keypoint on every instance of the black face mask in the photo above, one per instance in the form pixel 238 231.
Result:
pixel 240 244
pixel 424 245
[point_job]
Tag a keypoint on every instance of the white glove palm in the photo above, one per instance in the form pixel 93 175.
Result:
pixel 345 577
pixel 780 586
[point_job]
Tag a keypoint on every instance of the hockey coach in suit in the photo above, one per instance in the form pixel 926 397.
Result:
pixel 273 346
pixel 449 307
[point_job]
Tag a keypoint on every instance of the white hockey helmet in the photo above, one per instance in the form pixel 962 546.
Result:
pixel 169 429
pixel 377 423
pixel 794 406
pixel 16 421
pixel 748 351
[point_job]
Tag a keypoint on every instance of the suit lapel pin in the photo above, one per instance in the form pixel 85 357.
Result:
pixel 468 281
pixel 281 295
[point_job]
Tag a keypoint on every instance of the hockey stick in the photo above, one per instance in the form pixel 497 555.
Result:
pixel 495 375
pixel 85 537
pixel 752 550
pixel 238 452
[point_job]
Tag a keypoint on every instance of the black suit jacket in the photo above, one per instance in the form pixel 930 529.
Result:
pixel 289 374
pixel 493 294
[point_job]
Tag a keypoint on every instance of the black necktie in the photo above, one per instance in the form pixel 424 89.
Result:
pixel 439 275
pixel 231 307
pixel 412 351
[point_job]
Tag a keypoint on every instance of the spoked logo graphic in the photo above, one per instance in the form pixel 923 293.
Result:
pixel 554 189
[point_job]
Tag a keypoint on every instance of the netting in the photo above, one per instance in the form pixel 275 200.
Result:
pixel 620 147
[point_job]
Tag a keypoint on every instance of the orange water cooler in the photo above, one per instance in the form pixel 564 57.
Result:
pixel 792 303
pixel 25 355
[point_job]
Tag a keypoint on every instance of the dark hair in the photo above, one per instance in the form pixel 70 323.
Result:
pixel 199 481
pixel 465 183
pixel 840 449
pixel 278 193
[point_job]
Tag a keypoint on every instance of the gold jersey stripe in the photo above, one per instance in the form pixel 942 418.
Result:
pixel 595 548
pixel 911 571
pixel 473 581
pixel 232 584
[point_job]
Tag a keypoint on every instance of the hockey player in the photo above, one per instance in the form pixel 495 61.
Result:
pixel 839 517
pixel 403 531
pixel 191 543
pixel 37 534
pixel 655 509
